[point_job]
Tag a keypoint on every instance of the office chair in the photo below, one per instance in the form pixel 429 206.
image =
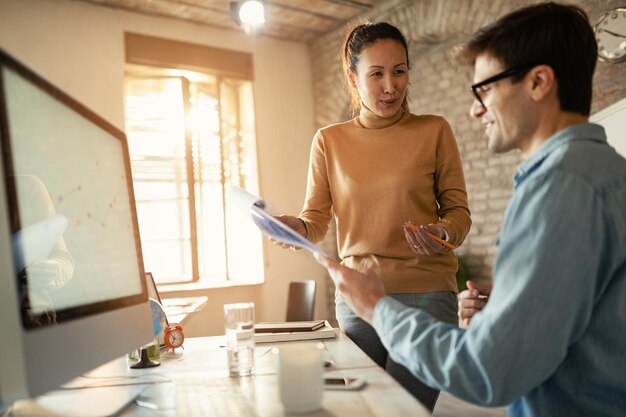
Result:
pixel 301 300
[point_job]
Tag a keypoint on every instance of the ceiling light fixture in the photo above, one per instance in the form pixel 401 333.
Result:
pixel 249 14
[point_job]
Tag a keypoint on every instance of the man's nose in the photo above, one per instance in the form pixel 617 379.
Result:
pixel 477 109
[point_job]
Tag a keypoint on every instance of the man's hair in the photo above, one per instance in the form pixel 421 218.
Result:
pixel 548 33
pixel 360 34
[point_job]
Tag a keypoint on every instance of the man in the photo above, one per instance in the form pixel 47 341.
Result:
pixel 551 339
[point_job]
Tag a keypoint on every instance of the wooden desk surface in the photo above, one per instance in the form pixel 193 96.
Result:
pixel 205 358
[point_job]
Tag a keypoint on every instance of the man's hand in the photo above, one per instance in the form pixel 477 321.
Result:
pixel 296 224
pixel 45 275
pixel 360 291
pixel 473 299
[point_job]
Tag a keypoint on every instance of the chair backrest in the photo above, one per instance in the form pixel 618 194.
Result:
pixel 301 300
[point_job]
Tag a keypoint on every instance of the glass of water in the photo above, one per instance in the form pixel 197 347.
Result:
pixel 239 327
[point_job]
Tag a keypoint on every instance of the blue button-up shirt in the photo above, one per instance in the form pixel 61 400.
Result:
pixel 552 339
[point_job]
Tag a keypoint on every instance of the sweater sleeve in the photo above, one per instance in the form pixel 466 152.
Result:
pixel 454 214
pixel 317 211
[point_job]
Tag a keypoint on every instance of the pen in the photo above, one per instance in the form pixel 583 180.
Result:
pixel 443 242
pixel 434 237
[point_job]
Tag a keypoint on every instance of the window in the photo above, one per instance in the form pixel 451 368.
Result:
pixel 191 135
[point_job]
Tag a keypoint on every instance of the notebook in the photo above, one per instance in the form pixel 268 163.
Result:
pixel 173 307
pixel 288 326
pixel 324 332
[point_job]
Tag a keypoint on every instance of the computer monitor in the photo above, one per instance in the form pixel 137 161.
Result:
pixel 72 286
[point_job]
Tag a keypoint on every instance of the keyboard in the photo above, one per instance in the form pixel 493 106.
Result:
pixel 216 397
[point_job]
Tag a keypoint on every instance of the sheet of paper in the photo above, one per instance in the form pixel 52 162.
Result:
pixel 273 228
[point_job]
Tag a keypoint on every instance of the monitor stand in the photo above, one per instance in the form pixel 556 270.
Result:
pixel 144 361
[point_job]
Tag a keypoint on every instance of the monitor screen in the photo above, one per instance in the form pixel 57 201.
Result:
pixel 72 265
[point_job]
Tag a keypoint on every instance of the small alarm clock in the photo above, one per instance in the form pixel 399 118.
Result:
pixel 173 336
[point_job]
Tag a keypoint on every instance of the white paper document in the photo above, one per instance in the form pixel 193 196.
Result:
pixel 272 227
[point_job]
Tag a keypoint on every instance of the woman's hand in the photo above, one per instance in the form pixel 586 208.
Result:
pixel 421 242
pixel 296 224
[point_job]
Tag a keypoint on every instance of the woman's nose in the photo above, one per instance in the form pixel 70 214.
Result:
pixel 389 85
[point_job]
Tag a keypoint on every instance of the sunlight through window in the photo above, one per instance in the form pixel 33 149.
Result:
pixel 191 135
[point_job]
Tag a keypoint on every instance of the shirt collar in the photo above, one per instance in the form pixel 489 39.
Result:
pixel 583 131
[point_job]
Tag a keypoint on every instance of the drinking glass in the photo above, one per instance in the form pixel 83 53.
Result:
pixel 239 327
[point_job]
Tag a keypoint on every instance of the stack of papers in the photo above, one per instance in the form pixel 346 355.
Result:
pixel 325 331
pixel 273 228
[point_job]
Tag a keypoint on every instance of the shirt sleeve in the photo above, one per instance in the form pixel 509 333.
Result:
pixel 40 207
pixel 317 211
pixel 454 214
pixel 545 279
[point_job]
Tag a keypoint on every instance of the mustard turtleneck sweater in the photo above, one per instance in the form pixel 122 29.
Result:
pixel 373 174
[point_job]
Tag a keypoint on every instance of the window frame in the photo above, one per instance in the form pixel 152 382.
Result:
pixel 224 65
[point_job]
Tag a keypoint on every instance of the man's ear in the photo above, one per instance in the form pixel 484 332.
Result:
pixel 351 77
pixel 542 82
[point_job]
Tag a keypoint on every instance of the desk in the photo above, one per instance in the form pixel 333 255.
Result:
pixel 206 358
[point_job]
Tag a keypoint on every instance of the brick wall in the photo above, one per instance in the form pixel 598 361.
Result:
pixel 433 29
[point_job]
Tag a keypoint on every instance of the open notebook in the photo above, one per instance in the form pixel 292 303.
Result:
pixel 176 309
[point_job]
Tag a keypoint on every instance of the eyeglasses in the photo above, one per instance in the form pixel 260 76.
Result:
pixel 479 92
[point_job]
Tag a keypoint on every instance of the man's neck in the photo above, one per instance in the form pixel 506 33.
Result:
pixel 550 124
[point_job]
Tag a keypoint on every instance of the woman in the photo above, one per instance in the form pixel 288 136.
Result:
pixel 380 174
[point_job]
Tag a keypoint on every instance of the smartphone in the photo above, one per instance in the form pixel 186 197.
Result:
pixel 344 384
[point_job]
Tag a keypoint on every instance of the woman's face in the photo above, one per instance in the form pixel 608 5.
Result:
pixel 382 77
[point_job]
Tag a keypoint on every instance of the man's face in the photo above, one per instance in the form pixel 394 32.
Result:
pixel 507 112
